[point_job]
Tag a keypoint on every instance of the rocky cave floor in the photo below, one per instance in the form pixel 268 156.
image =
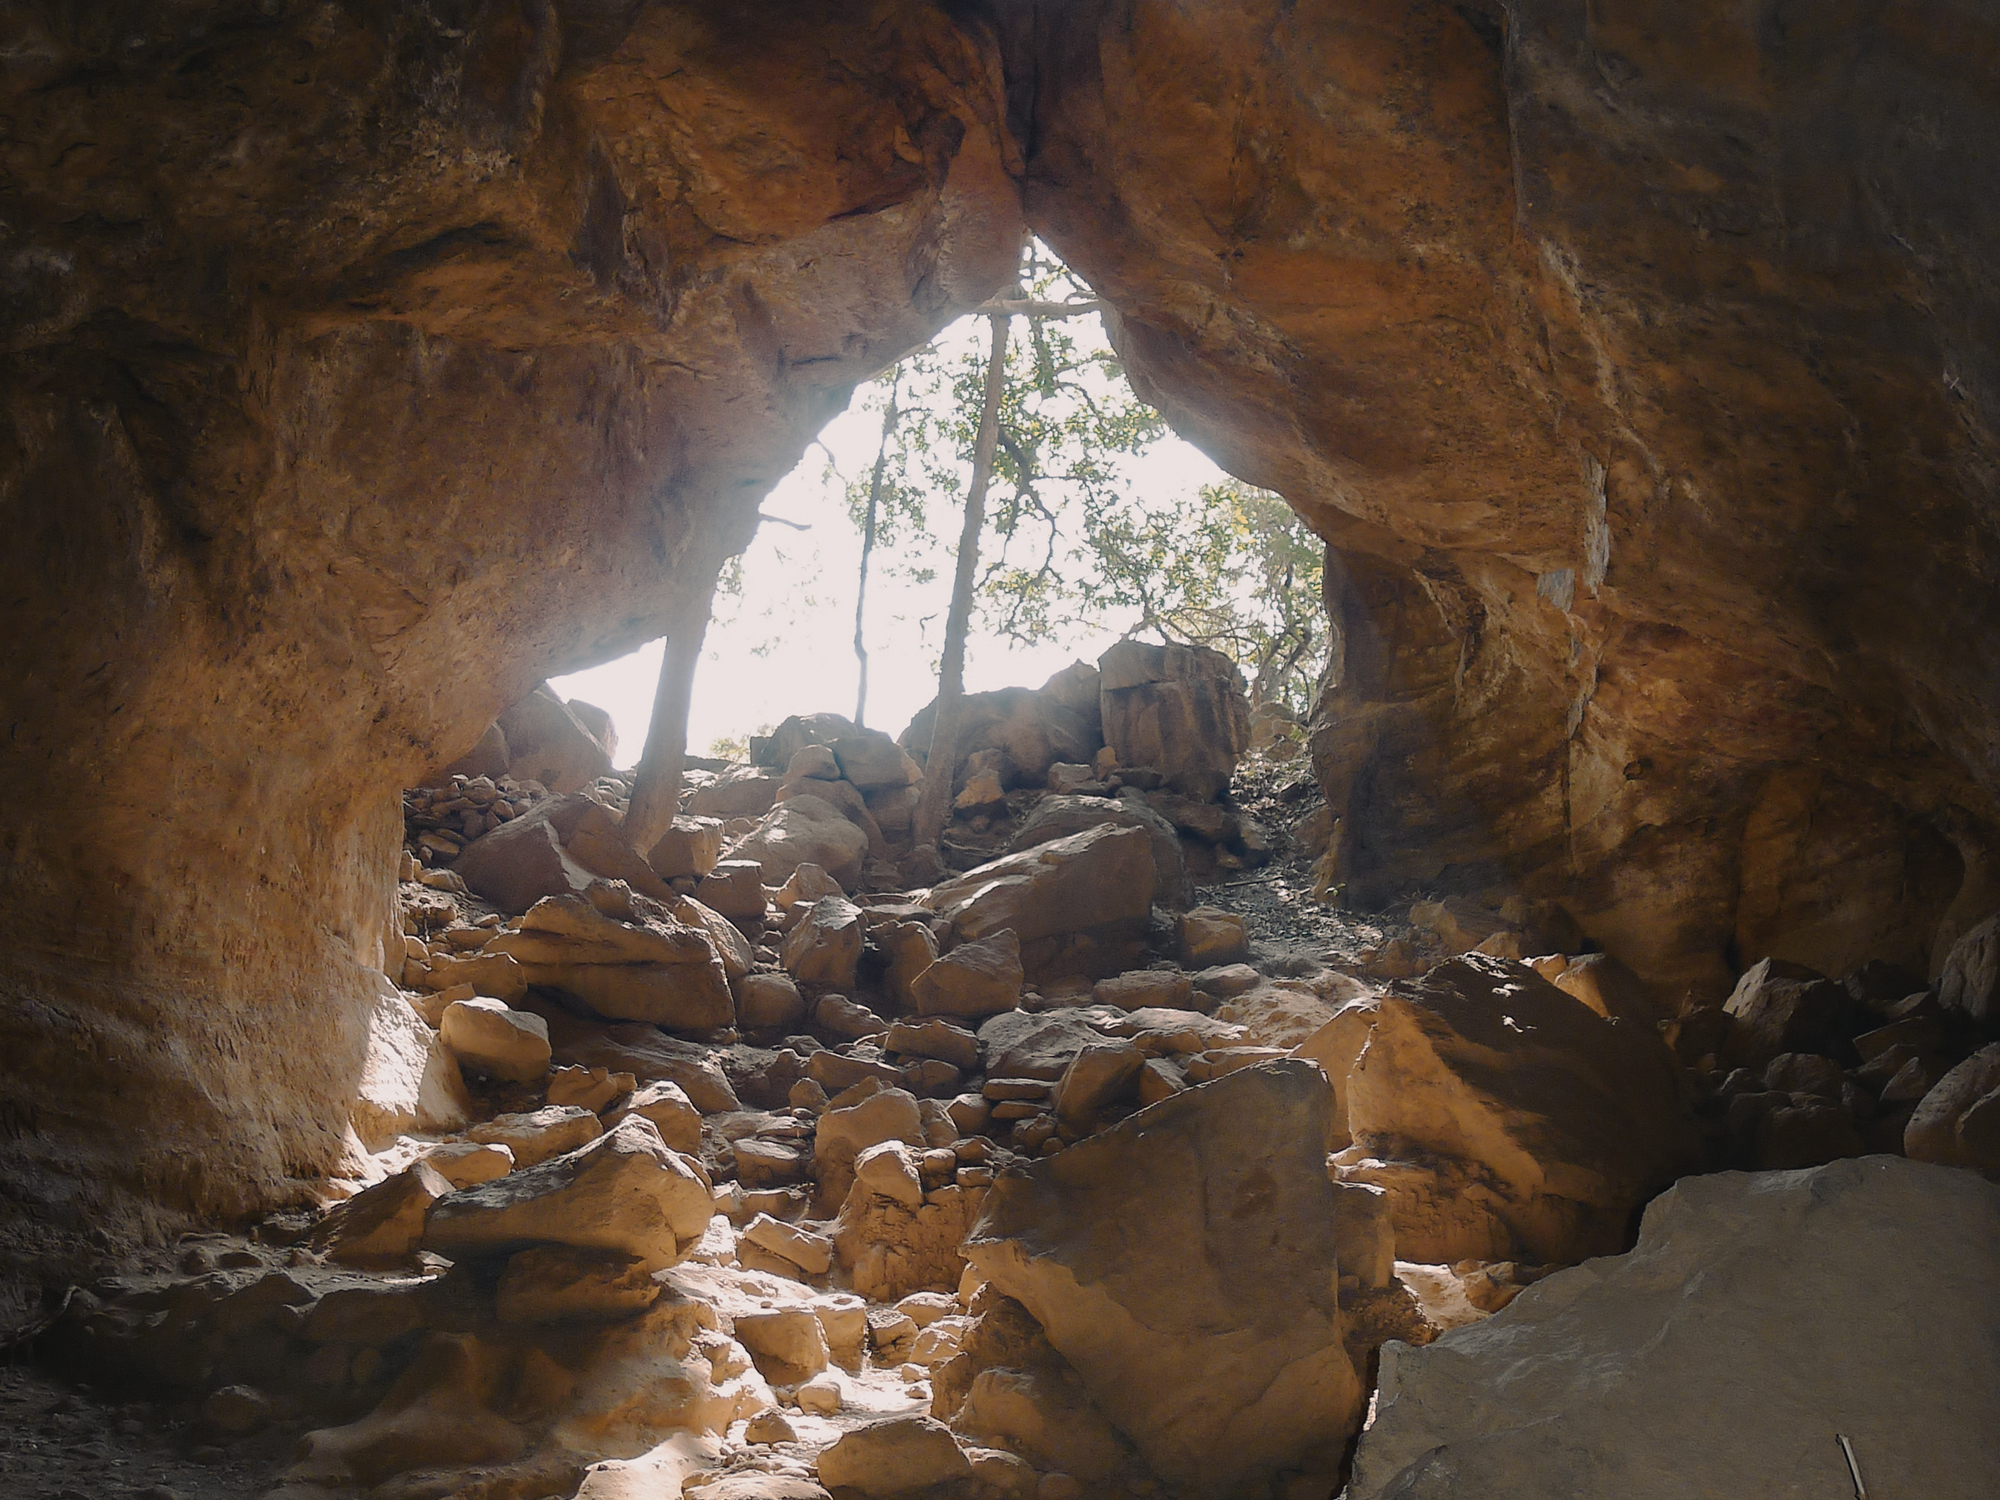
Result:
pixel 828 1291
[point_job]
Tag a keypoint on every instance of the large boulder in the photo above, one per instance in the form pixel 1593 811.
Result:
pixel 626 1191
pixel 1712 1360
pixel 1562 1121
pixel 893 1456
pixel 873 762
pixel 1079 904
pixel 805 830
pixel 1970 983
pixel 1180 709
pixel 558 847
pixel 1031 728
pixel 1059 817
pixel 488 1037
pixel 409 1080
pixel 739 792
pixel 547 741
pixel 975 979
pixel 1181 1261
pixel 843 1134
pixel 825 947
pixel 1957 1123
pixel 641 969
pixel 1780 1007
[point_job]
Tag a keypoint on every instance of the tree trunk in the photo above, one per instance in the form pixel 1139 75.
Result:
pixel 867 550
pixel 656 790
pixel 941 764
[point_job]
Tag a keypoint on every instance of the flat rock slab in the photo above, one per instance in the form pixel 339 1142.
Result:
pixel 1182 1262
pixel 1760 1315
pixel 625 1191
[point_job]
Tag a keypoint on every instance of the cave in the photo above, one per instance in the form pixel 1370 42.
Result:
pixel 368 364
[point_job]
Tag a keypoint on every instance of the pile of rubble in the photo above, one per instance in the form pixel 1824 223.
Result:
pixel 739 1168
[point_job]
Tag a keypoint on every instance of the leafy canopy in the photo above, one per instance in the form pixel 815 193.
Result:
pixel 1074 539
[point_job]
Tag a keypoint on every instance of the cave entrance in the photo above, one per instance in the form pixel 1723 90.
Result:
pixel 1101 524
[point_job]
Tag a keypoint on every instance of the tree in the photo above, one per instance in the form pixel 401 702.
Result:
pixel 941 761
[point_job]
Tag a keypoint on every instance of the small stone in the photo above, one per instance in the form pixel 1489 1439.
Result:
pixel 975 979
pixel 1099 1075
pixel 552 1282
pixel 807 1094
pixel 936 1039
pixel 770 1426
pixel 734 887
pixel 1226 980
pixel 1211 936
pixel 536 1136
pixel 843 1318
pixel 925 1308
pixel 970 1113
pixel 383 1225
pixel 673 1114
pixel 236 1410
pixel 1143 989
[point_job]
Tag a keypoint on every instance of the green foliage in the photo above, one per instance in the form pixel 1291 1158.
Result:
pixel 1072 540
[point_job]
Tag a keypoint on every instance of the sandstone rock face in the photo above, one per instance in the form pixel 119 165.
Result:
pixel 1130 1249
pixel 1077 904
pixel 477 367
pixel 1583 1385
pixel 1546 690
pixel 1179 709
pixel 483 420
pixel 1567 1121
pixel 625 1192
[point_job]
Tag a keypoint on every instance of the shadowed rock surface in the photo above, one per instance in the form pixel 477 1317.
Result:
pixel 1632 1374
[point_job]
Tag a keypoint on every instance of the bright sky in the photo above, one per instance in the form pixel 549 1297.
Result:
pixel 787 645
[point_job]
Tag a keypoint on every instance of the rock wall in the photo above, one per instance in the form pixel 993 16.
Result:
pixel 1637 364
pixel 363 366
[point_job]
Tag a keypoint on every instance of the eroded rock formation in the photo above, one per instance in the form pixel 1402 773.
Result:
pixel 1638 365
pixel 363 367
